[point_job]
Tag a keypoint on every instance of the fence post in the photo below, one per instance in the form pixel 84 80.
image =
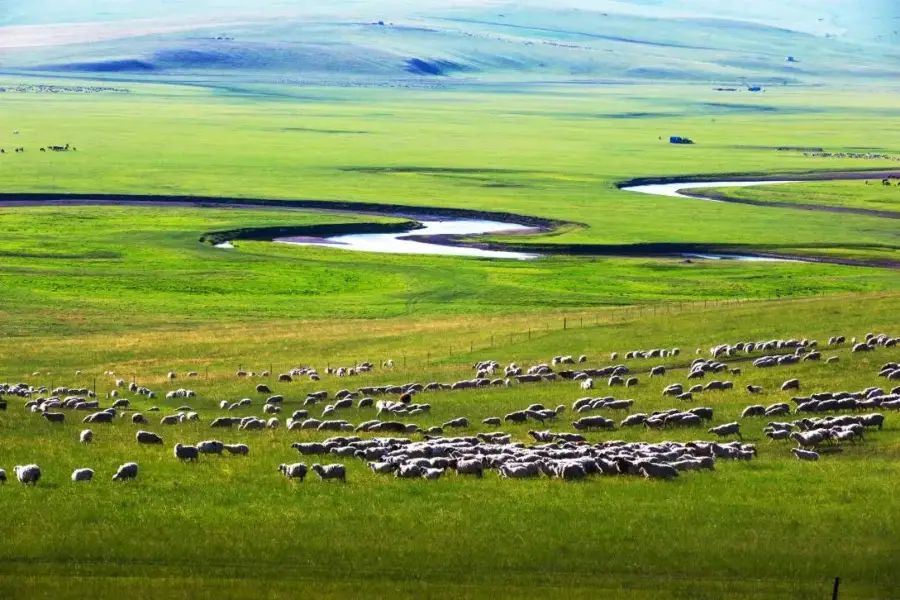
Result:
pixel 565 323
pixel 837 586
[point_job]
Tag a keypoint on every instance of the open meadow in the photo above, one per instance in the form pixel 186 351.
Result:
pixel 130 288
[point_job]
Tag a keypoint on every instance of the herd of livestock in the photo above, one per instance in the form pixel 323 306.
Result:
pixel 391 443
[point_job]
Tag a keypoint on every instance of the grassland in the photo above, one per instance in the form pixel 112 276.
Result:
pixel 866 195
pixel 134 290
pixel 463 149
pixel 234 527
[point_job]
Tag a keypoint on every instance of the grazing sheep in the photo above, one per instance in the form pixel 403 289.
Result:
pixel 432 474
pixel 596 422
pixel 805 454
pixel 778 434
pixel 790 384
pixel 148 437
pixel 519 470
pixel 310 448
pixel 382 468
pixel 210 447
pixel 237 449
pixel 516 417
pixel 294 471
pixel 222 422
pixel 86 436
pixel 756 410
pixel 570 471
pixel 875 420
pixel 99 417
pixel 28 474
pixel 754 389
pixel 492 421
pixel 82 475
pixel 263 389
pixel 2 476
pixel 727 430
pixel 186 452
pixel 128 471
pixel 587 384
pixel 410 471
pixel 138 419
pixel 652 470
pixel 170 420
pixel 54 417
pixel 460 423
pixel 470 467
pixel 333 471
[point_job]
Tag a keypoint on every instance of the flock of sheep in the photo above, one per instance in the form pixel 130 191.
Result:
pixel 409 451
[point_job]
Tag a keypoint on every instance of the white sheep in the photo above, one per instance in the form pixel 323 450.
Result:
pixel 28 474
pixel 432 474
pixel 126 472
pixel 805 454
pixel 82 475
pixel 727 430
pixel 238 449
pixel 210 447
pixel 470 467
pixel 183 452
pixel 148 437
pixel 652 470
pixel 86 436
pixel 334 471
pixel 409 471
pixel 294 471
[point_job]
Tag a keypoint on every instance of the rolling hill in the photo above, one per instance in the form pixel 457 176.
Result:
pixel 683 40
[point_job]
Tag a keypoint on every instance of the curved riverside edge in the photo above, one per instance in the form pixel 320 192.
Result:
pixel 407 231
pixel 680 187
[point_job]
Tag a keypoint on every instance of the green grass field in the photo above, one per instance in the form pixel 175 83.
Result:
pixel 134 290
pixel 868 195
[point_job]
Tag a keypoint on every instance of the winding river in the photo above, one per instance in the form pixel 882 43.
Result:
pixel 431 238
pixel 417 243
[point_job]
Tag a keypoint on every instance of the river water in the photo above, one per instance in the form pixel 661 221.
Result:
pixel 408 242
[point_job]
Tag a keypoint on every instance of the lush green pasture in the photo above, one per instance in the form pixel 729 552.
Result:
pixel 547 151
pixel 234 527
pixel 70 270
pixel 132 289
pixel 868 195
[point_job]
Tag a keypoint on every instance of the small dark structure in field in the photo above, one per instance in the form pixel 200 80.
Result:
pixel 754 88
pixel 677 139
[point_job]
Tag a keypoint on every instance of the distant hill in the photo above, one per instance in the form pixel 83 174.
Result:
pixel 763 42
